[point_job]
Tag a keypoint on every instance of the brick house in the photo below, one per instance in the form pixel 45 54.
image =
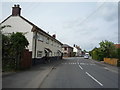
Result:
pixel 67 50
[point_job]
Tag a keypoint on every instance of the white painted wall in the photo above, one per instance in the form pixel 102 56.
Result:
pixel 78 52
pixel 19 25
pixel 42 45
pixel 75 49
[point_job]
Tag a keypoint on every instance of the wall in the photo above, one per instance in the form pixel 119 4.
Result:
pixel 41 45
pixel 68 52
pixel 19 25
pixel 75 49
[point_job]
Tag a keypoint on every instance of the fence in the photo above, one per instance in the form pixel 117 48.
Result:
pixel 26 59
pixel 112 61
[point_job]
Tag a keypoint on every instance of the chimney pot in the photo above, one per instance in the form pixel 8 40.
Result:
pixel 18 5
pixel 15 5
pixel 54 35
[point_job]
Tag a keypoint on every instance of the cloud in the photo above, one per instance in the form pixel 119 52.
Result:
pixel 102 25
pixel 109 12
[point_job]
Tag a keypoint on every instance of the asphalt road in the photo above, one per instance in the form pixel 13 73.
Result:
pixel 80 73
pixel 73 72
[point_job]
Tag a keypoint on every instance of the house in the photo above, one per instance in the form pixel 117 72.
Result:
pixel 40 43
pixel 67 50
pixel 77 50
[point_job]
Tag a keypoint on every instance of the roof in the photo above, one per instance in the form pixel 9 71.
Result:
pixel 78 48
pixel 36 27
pixel 117 45
pixel 65 45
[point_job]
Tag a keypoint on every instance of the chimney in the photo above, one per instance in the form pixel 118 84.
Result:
pixel 54 36
pixel 74 45
pixel 16 10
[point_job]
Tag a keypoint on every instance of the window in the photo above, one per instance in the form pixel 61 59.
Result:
pixel 65 48
pixel 47 40
pixel 39 53
pixel 40 37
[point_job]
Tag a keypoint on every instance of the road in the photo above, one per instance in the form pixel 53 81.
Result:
pixel 75 72
pixel 80 73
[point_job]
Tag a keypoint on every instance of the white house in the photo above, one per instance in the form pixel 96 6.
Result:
pixel 77 50
pixel 40 42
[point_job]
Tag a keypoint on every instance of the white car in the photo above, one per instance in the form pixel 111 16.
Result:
pixel 86 56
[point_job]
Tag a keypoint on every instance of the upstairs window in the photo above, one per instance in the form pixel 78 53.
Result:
pixel 65 48
pixel 40 37
pixel 47 40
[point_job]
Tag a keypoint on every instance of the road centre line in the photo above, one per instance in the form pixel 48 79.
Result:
pixel 80 67
pixel 94 79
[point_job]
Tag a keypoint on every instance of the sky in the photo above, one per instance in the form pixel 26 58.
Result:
pixel 82 23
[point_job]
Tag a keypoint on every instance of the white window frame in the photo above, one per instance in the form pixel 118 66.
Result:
pixel 39 53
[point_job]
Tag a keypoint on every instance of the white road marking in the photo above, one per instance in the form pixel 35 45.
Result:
pixel 105 68
pixel 87 64
pixel 94 79
pixel 82 63
pixel 80 67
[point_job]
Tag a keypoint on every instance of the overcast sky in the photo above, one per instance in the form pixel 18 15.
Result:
pixel 81 23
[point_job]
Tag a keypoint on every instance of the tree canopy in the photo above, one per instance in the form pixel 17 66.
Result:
pixel 12 48
pixel 106 49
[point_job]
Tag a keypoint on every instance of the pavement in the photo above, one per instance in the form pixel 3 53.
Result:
pixel 73 72
pixel 31 78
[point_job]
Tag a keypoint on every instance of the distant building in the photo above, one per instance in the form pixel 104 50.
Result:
pixel 40 43
pixel 77 50
pixel 67 50
pixel 117 45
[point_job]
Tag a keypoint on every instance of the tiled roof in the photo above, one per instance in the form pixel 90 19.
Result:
pixel 65 45
pixel 117 45
pixel 78 48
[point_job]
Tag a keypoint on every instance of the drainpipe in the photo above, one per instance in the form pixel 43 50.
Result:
pixel 35 44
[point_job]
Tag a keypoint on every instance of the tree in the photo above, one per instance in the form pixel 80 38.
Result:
pixel 12 47
pixel 6 53
pixel 19 43
pixel 108 48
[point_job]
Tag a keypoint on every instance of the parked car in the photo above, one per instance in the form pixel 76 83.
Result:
pixel 86 56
